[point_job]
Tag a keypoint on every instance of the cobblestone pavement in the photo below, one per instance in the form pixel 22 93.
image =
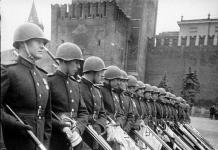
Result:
pixel 208 128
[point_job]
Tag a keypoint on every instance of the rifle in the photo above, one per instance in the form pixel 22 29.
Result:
pixel 190 137
pixel 178 140
pixel 197 135
pixel 32 135
pixel 92 132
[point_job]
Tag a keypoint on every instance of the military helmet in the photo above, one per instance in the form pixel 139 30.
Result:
pixel 148 88
pixel 112 72
pixel 162 91
pixel 68 52
pixel 124 75
pixel 93 63
pixel 28 31
pixel 155 89
pixel 140 84
pixel 132 81
pixel 179 99
pixel 168 95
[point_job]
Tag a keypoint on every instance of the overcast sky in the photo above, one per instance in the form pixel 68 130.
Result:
pixel 15 12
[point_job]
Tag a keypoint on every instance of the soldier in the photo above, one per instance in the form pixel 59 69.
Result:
pixel 148 101
pixel 125 102
pixel 93 70
pixel 141 105
pixel 132 85
pixel 24 88
pixel 67 101
pixel 180 110
pixel 112 78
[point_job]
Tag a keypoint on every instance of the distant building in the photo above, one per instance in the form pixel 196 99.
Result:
pixel 33 17
pixel 198 31
pixel 115 30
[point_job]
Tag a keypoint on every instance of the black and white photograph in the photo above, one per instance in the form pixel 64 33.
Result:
pixel 109 75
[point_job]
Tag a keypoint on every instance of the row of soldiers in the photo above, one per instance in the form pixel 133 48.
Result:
pixel 58 107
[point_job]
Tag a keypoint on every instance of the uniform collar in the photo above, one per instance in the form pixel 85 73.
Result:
pixel 60 73
pixel 87 82
pixel 25 62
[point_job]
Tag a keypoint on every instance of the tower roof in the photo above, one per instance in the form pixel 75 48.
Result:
pixel 33 17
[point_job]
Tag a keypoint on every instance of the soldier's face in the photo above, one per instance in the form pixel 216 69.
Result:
pixel 35 47
pixel 154 96
pixel 115 83
pixel 140 92
pixel 147 95
pixel 73 67
pixel 98 77
pixel 123 85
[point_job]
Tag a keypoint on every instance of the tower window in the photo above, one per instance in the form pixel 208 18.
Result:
pixel 80 10
pixel 73 11
pixel 89 10
pixel 99 42
pixel 97 9
pixel 105 8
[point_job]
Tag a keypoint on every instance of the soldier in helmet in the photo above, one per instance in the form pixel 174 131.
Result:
pixel 179 107
pixel 148 101
pixel 125 102
pixel 111 100
pixel 24 88
pixel 141 105
pixel 93 70
pixel 67 100
pixel 132 86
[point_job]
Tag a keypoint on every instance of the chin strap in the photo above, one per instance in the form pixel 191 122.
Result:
pixel 28 52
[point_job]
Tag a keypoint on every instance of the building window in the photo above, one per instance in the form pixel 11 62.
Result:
pixel 105 8
pixel 89 10
pixel 216 28
pixel 80 10
pixel 73 11
pixel 97 9
pixel 99 42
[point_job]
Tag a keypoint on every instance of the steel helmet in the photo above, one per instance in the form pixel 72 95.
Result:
pixel 69 51
pixel 93 63
pixel 112 72
pixel 155 89
pixel 168 95
pixel 124 75
pixel 28 31
pixel 141 85
pixel 162 91
pixel 132 81
pixel 148 88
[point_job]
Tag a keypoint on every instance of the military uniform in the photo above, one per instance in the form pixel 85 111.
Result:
pixel 66 99
pixel 111 104
pixel 24 88
pixel 97 115
pixel 127 107
pixel 2 146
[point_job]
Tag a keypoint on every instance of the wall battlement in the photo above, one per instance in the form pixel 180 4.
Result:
pixel 187 41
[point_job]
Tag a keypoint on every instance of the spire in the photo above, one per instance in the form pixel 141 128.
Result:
pixel 33 17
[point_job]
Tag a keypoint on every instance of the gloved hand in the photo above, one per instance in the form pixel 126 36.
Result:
pixel 73 136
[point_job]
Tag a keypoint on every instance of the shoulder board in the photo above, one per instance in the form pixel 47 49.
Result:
pixel 97 86
pixel 50 74
pixel 9 63
pixel 42 70
pixel 72 78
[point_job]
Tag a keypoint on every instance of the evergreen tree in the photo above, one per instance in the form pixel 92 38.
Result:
pixel 164 83
pixel 191 86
